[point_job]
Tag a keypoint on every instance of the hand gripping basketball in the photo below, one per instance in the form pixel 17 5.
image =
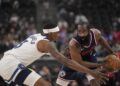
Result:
pixel 112 63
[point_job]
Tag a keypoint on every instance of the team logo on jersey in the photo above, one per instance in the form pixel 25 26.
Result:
pixel 62 73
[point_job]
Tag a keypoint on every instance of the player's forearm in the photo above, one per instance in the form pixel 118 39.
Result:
pixel 71 64
pixel 90 64
pixel 105 44
pixel 78 67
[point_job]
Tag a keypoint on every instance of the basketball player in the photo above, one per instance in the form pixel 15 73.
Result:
pixel 82 50
pixel 14 62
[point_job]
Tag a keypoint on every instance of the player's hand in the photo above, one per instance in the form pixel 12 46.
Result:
pixel 101 69
pixel 112 63
pixel 114 54
pixel 94 82
pixel 100 78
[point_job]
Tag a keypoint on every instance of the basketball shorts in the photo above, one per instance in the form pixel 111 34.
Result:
pixel 67 75
pixel 14 73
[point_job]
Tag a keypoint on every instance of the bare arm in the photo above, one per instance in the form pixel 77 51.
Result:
pixel 45 46
pixel 75 55
pixel 105 44
pixel 101 40
pixel 67 62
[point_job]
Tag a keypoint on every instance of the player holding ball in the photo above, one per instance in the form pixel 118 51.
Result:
pixel 81 48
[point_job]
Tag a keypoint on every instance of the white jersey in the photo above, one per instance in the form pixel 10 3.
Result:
pixel 26 52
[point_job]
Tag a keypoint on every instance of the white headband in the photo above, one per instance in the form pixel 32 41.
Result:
pixel 56 29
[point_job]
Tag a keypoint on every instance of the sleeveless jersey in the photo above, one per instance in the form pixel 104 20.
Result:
pixel 26 52
pixel 87 47
pixel 87 51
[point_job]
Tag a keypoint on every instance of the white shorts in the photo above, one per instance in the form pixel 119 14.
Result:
pixel 12 71
pixel 63 82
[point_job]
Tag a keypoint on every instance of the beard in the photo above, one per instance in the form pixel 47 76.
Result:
pixel 85 39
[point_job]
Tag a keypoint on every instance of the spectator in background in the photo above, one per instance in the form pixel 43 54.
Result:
pixel 34 67
pixel 116 47
pixel 7 42
pixel 116 36
pixel 45 73
pixel 61 43
pixel 31 29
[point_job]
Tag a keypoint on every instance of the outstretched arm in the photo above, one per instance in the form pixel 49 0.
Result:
pixel 105 44
pixel 101 40
pixel 67 62
pixel 46 46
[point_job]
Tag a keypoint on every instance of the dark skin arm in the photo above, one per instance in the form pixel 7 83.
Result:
pixel 75 55
pixel 105 44
pixel 101 40
pixel 45 46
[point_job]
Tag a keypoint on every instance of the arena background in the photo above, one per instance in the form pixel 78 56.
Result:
pixel 21 18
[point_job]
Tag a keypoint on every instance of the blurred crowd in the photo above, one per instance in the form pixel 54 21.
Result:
pixel 103 15
pixel 18 21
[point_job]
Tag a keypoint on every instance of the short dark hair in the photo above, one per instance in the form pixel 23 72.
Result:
pixel 48 25
pixel 82 23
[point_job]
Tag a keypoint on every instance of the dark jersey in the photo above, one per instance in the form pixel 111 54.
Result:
pixel 87 47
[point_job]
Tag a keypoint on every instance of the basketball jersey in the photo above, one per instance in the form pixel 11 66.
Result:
pixel 26 52
pixel 88 52
pixel 87 48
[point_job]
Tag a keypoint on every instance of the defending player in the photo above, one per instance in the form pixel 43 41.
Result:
pixel 82 50
pixel 14 62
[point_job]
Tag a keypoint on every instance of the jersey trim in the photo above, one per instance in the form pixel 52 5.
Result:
pixel 91 38
pixel 94 37
pixel 76 41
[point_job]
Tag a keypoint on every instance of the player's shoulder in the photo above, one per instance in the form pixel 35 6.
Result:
pixel 44 41
pixel 95 30
pixel 97 33
pixel 73 42
pixel 43 44
pixel 41 39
